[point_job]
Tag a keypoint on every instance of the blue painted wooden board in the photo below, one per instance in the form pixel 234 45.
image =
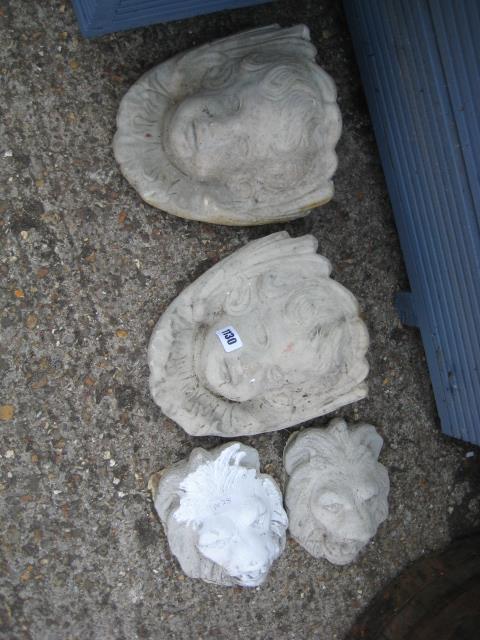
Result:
pixel 97 17
pixel 420 66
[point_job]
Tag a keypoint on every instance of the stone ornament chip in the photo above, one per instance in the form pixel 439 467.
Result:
pixel 224 520
pixel 241 131
pixel 302 350
pixel 336 495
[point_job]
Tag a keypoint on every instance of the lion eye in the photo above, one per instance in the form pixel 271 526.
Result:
pixel 213 539
pixel 367 492
pixel 260 522
pixel 331 502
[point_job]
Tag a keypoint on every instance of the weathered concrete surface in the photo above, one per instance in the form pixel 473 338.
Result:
pixel 87 268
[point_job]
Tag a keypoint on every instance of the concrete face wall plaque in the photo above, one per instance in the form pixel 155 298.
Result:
pixel 240 131
pixel 263 340
pixel 336 496
pixel 223 519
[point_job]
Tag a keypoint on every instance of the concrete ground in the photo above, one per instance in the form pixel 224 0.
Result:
pixel 87 268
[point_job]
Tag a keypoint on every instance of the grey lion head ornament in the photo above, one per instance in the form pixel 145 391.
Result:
pixel 263 340
pixel 336 496
pixel 241 131
pixel 223 519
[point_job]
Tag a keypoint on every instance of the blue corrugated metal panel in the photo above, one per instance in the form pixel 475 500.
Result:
pixel 97 17
pixel 420 65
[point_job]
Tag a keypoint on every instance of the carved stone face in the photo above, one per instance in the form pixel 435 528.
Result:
pixel 271 353
pixel 337 492
pixel 240 540
pixel 300 350
pixel 239 131
pixel 224 521
pixel 225 132
pixel 346 513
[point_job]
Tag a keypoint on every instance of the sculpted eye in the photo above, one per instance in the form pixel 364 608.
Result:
pixel 330 502
pixel 233 104
pixel 251 513
pixel 275 375
pixel 219 107
pixel 367 492
pixel 258 524
pixel 213 539
pixel 261 522
pixel 238 300
pixel 333 507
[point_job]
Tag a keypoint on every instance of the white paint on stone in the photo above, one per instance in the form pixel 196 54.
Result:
pixel 223 519
pixel 303 352
pixel 336 495
pixel 241 131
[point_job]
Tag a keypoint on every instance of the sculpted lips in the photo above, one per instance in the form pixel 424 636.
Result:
pixel 191 136
pixel 194 135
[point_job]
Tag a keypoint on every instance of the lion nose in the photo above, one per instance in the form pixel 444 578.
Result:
pixel 361 526
pixel 251 555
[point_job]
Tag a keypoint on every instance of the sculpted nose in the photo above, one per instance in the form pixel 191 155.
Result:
pixel 252 555
pixel 361 526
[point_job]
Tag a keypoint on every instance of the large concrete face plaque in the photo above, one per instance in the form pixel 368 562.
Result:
pixel 263 340
pixel 223 519
pixel 336 496
pixel 241 131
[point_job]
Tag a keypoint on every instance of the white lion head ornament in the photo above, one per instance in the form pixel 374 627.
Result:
pixel 298 343
pixel 224 520
pixel 240 131
pixel 336 496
